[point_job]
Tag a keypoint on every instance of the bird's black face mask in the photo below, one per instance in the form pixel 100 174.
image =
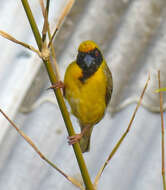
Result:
pixel 89 62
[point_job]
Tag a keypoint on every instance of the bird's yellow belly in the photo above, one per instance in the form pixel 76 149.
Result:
pixel 87 100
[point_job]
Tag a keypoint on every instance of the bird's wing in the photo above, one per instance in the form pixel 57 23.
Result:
pixel 109 88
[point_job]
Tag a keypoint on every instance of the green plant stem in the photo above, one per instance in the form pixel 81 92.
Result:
pixel 65 114
pixel 70 129
pixel 32 22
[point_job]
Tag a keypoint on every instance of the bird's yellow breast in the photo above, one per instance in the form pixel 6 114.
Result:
pixel 87 99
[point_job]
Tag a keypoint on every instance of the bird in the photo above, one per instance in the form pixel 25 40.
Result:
pixel 88 87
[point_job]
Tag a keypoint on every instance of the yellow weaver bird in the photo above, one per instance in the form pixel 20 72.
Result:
pixel 88 88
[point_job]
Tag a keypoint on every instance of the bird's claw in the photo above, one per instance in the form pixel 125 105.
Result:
pixel 57 85
pixel 74 139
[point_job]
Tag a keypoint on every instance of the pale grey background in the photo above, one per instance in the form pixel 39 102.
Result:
pixel 132 36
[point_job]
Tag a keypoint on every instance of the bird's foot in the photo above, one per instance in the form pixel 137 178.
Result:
pixel 74 139
pixel 57 85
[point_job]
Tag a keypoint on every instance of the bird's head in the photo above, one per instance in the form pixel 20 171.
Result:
pixel 89 58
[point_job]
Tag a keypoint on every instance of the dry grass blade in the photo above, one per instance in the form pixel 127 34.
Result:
pixel 11 38
pixel 162 133
pixel 123 136
pixel 61 18
pixel 30 142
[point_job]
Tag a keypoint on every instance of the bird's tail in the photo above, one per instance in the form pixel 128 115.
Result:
pixel 85 141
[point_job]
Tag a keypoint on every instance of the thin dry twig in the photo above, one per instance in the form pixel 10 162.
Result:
pixel 11 38
pixel 61 18
pixel 30 142
pixel 44 54
pixel 46 23
pixel 162 133
pixel 123 136
pixel 46 28
pixel 42 7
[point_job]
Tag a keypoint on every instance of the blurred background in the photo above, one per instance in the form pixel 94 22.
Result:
pixel 132 37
